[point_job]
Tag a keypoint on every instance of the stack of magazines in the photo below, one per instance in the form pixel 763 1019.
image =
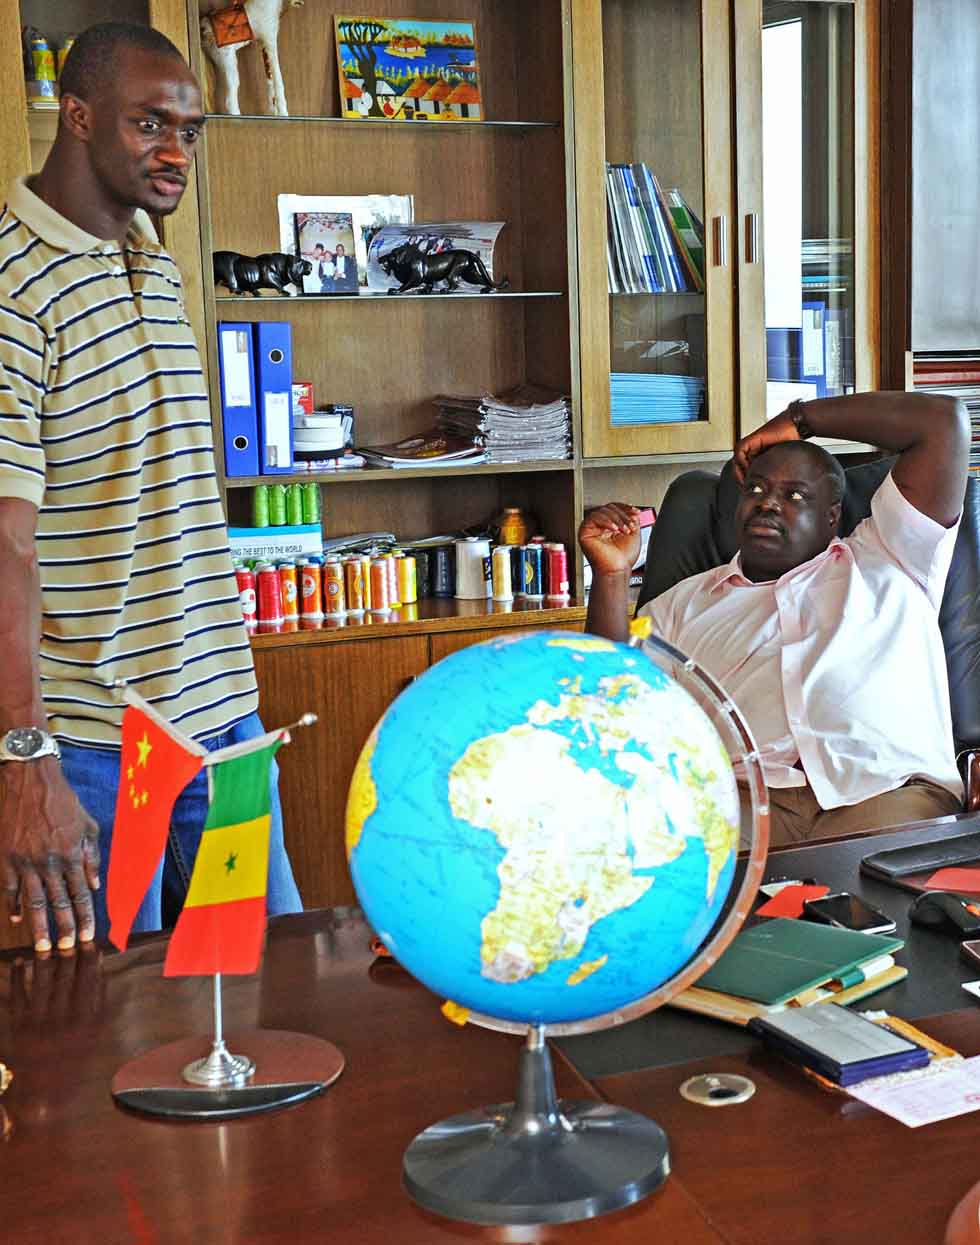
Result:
pixel 525 424
pixel 654 398
pixel 433 448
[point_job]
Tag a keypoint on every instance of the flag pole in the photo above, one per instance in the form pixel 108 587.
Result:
pixel 221 1069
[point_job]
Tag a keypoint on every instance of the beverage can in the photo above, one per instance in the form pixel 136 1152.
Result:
pixel 334 601
pixel 502 583
pixel 270 595
pixel 312 512
pixel 394 600
pixel 472 568
pixel 366 579
pixel 423 573
pixel 63 53
pixel 246 595
pixel 556 571
pixel 289 585
pixel 42 72
pixel 277 505
pixel 513 526
pixel 311 593
pixel 443 575
pixel 260 505
pixel 294 504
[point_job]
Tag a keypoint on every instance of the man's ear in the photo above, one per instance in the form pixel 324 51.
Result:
pixel 834 517
pixel 76 117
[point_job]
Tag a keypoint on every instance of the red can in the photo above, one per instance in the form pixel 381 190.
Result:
pixel 246 594
pixel 289 584
pixel 556 571
pixel 380 597
pixel 333 588
pixel 270 595
pixel 310 591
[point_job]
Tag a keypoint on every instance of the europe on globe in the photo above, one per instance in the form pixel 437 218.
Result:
pixel 543 828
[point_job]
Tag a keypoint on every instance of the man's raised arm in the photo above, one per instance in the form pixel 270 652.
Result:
pixel 929 431
pixel 610 539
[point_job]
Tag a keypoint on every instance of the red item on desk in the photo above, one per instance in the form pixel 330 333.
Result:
pixel 790 900
pixel 964 879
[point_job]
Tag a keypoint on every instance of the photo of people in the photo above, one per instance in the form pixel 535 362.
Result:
pixel 326 239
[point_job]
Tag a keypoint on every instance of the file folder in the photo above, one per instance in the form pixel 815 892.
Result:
pixel 238 409
pixel 274 386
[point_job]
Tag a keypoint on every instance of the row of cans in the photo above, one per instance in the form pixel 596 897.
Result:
pixel 538 569
pixel 279 505
pixel 312 589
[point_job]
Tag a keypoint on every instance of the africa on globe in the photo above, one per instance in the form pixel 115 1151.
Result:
pixel 543 828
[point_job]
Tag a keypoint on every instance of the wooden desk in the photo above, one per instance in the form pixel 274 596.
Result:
pixel 76 1168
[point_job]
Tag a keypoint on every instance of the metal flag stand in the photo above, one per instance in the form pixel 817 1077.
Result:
pixel 178 1081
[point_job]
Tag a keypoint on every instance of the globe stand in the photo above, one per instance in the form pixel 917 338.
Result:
pixel 536 1160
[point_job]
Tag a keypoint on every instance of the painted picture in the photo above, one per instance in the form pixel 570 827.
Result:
pixel 407 69
pixel 326 239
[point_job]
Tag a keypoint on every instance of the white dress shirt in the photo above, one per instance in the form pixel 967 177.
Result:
pixel 839 663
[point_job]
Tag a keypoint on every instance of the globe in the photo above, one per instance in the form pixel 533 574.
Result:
pixel 543 828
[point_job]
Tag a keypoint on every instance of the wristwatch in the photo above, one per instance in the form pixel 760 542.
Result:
pixel 795 412
pixel 27 743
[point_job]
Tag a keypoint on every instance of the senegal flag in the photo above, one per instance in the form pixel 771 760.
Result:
pixel 221 927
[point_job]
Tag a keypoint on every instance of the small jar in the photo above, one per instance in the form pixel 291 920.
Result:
pixel 513 525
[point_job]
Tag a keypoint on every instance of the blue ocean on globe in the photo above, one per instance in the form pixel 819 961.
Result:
pixel 543 828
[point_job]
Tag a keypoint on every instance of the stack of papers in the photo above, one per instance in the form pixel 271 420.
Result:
pixel 526 424
pixel 654 398
pixel 433 448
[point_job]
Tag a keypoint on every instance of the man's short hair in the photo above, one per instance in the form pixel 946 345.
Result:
pixel 822 459
pixel 92 61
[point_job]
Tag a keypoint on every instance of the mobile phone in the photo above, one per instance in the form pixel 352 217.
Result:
pixel 848 912
pixel 970 950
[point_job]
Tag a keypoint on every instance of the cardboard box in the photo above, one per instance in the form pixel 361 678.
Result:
pixel 273 543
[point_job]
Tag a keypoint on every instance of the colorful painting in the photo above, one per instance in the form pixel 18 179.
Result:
pixel 407 69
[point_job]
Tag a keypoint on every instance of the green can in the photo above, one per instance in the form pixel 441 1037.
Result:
pixel 260 505
pixel 294 504
pixel 277 505
pixel 311 502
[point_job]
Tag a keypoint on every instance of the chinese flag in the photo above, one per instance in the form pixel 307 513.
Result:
pixel 154 769
pixel 221 927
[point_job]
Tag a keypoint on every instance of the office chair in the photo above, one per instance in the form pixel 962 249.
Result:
pixel 695 531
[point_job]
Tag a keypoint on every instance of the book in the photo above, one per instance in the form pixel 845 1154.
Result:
pixel 736 1010
pixel 839 1044
pixel 433 448
pixel 780 959
pixel 687 235
pixel 688 275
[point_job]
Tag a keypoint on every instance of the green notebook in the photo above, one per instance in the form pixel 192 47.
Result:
pixel 780 958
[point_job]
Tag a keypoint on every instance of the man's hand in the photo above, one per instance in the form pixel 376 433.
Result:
pixel 610 538
pixel 780 428
pixel 49 853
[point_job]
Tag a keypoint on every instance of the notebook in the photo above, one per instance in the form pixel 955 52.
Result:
pixel 780 959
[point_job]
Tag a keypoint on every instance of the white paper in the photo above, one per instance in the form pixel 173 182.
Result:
pixel 236 346
pixel 276 440
pixel 947 1087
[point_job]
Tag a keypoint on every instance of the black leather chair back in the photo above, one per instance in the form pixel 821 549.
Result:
pixel 695 531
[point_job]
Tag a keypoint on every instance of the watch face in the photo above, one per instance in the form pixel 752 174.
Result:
pixel 24 741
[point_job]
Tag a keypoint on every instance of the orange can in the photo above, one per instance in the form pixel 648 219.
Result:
pixel 334 601
pixel 311 592
pixel 380 599
pixel 365 560
pixel 289 584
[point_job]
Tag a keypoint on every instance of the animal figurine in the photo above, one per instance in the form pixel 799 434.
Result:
pixel 245 274
pixel 262 27
pixel 417 270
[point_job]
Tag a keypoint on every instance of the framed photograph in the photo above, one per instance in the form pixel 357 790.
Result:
pixel 408 69
pixel 368 214
pixel 326 239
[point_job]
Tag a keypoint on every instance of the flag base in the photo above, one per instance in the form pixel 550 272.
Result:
pixel 288 1068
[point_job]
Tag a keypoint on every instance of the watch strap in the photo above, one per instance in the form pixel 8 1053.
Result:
pixel 796 414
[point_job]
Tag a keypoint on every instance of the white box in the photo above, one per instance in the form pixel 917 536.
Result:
pixel 272 543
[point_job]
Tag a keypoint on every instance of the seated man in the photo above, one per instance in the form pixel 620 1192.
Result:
pixel 831 648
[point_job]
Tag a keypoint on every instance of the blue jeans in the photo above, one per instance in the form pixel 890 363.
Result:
pixel 94 775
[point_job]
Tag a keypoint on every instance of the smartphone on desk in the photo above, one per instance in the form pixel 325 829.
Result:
pixel 848 912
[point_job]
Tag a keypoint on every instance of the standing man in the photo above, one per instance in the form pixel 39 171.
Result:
pixel 113 547
pixel 831 648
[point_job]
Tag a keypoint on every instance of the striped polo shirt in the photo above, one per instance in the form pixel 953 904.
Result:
pixel 105 427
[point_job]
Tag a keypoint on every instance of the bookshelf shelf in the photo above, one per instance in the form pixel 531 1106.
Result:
pixel 246 302
pixel 367 475
pixel 366 124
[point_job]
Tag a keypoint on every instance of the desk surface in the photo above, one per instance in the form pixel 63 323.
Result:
pixel 795 1163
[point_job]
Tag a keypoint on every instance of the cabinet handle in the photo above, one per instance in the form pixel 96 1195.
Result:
pixel 720 232
pixel 751 237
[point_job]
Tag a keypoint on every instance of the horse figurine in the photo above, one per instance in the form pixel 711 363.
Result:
pixel 255 21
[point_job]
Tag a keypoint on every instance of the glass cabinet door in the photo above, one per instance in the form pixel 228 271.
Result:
pixel 654 191
pixel 806 261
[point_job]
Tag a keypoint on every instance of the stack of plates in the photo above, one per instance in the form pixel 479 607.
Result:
pixel 322 434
